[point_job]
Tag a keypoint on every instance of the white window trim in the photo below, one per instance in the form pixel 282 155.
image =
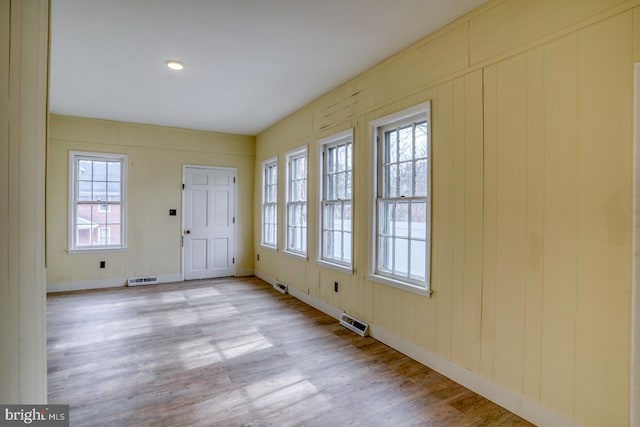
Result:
pixel 72 202
pixel 389 120
pixel 266 163
pixel 295 153
pixel 322 144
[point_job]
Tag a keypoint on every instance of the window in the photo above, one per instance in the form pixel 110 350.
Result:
pixel 402 206
pixel 297 202
pixel 336 204
pixel 270 203
pixel 97 201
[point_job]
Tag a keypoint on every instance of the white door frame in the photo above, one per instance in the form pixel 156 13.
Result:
pixel 635 275
pixel 182 224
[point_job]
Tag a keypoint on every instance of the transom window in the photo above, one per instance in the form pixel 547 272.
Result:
pixel 270 203
pixel 97 201
pixel 402 207
pixel 297 202
pixel 336 205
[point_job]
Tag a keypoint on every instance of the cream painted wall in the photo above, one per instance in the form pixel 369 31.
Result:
pixel 532 189
pixel 156 156
pixel 24 47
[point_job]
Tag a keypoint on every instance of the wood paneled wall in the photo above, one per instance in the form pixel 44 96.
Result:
pixel 532 117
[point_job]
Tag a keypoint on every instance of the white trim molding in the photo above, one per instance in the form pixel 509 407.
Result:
pixel 497 393
pixel 84 285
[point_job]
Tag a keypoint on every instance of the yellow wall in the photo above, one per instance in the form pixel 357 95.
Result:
pixel 24 48
pixel 532 184
pixel 156 155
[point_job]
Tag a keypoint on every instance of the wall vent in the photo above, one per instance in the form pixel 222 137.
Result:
pixel 354 324
pixel 137 281
pixel 281 287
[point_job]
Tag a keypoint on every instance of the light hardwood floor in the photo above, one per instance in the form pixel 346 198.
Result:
pixel 234 352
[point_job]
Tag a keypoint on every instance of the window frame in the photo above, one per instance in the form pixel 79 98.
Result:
pixel 324 145
pixel 268 163
pixel 290 156
pixel 73 231
pixel 415 114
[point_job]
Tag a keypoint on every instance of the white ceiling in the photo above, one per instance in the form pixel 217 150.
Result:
pixel 248 63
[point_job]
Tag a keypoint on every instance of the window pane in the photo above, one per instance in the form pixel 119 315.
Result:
pixel 390 181
pixel 99 191
pixel 421 178
pixel 115 234
pixel 402 219
pixel 385 254
pixel 342 158
pixel 346 244
pixel 84 191
pixel 405 143
pixel 336 240
pixel 348 185
pixel 341 184
pixel 421 140
pixel 419 219
pixel 391 147
pixel 406 179
pixel 346 217
pixel 113 171
pixel 401 256
pixel 349 157
pixel 385 215
pixel 113 214
pixel 418 260
pixel 327 244
pixel 85 170
pixel 99 171
pixel 113 191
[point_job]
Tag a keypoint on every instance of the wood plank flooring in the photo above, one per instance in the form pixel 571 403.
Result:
pixel 234 352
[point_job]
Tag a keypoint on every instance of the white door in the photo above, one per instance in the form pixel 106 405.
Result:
pixel 209 222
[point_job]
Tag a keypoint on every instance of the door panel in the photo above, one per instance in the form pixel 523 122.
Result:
pixel 209 228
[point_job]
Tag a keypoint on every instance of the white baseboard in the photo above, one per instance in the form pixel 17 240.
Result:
pixel 83 285
pixel 315 303
pixel 499 394
pixel 264 276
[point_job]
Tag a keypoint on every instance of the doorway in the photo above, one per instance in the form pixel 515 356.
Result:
pixel 208 222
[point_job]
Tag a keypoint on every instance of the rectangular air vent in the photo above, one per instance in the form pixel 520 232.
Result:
pixel 354 324
pixel 137 281
pixel 281 287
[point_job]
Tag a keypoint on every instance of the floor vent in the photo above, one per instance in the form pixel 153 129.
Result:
pixel 137 281
pixel 354 324
pixel 281 287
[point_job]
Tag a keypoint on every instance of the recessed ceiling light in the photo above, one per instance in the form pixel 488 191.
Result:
pixel 174 65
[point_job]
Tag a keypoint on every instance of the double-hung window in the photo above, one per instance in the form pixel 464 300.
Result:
pixel 296 231
pixel 270 203
pixel 97 202
pixel 336 210
pixel 402 199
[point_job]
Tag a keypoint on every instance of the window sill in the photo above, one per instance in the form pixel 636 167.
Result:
pixel 95 250
pixel 337 267
pixel 296 255
pixel 268 248
pixel 424 291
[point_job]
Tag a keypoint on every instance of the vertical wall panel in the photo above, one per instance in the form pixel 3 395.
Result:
pixel 490 222
pixel 473 223
pixel 604 222
pixel 23 111
pixel 560 224
pixel 443 210
pixel 457 279
pixel 535 223
pixel 511 220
